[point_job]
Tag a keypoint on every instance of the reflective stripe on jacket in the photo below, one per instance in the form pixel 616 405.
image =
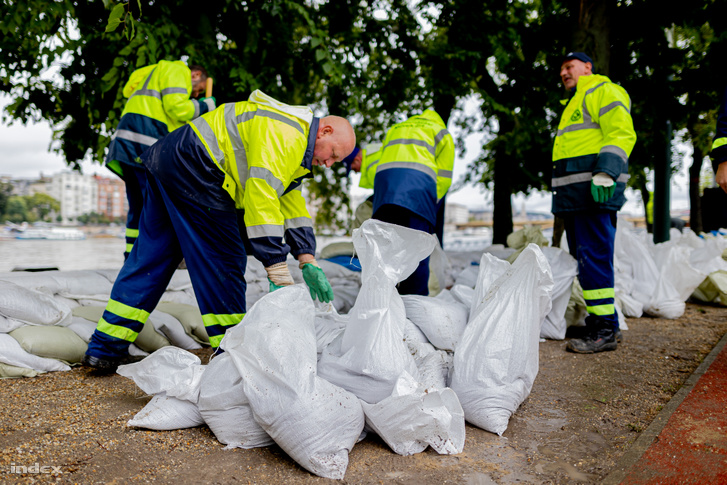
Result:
pixel 424 149
pixel 158 104
pixel 264 154
pixel 595 134
pixel 370 156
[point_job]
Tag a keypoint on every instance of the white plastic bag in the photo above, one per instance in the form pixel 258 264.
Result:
pixel 496 360
pixel 274 350
pixel 370 355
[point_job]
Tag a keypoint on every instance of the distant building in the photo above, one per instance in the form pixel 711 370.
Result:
pixel 77 194
pixel 112 200
pixel 481 215
pixel 456 214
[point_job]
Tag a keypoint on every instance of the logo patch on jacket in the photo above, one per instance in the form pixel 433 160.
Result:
pixel 576 115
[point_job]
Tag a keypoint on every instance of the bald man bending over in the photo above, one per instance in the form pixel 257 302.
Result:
pixel 222 187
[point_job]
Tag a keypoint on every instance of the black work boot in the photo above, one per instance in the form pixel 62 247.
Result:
pixel 600 336
pixel 108 366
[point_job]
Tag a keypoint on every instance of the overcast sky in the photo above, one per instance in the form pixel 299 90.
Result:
pixel 24 153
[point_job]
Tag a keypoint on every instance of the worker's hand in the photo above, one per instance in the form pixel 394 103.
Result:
pixel 210 102
pixel 317 282
pixel 279 276
pixel 721 176
pixel 602 187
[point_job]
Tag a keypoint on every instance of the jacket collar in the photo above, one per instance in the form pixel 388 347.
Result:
pixel 307 162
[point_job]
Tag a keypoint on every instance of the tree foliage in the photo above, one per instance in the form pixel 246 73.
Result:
pixel 378 63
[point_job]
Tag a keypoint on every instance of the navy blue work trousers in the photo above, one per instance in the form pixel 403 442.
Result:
pixel 591 237
pixel 173 227
pixel 418 282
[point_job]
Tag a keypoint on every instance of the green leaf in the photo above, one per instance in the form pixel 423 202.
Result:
pixel 320 54
pixel 111 26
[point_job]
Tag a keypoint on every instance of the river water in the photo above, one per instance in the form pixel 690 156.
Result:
pixel 89 253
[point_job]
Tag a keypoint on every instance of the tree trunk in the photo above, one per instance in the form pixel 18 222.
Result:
pixel 502 197
pixel 695 202
pixel 592 31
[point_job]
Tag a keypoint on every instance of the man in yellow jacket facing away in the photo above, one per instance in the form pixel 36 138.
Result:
pixel 590 169
pixel 410 172
pixel 224 186
pixel 158 103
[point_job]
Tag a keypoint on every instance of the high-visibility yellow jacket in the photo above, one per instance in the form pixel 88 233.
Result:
pixel 370 156
pixel 158 104
pixel 415 166
pixel 719 144
pixel 595 134
pixel 248 157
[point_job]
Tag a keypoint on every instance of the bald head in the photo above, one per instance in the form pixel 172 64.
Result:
pixel 334 141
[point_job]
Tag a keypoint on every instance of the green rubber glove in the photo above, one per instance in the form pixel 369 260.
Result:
pixel 317 283
pixel 601 194
pixel 273 286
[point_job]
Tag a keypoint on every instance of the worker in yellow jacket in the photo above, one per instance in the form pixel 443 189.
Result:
pixel 158 103
pixel 590 170
pixel 410 172
pixel 224 186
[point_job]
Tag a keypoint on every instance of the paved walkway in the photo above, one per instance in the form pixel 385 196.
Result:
pixel 687 442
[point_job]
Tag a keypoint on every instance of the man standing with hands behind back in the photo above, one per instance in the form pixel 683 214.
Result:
pixel 590 169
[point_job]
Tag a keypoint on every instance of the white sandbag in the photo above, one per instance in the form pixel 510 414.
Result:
pixel 564 268
pixel 468 276
pixel 135 351
pixel 274 349
pixel 677 281
pixel 167 413
pixel 180 281
pixel 463 294
pixel 371 355
pixel 442 322
pixel 491 268
pixel 9 324
pixel 328 324
pixel 225 408
pixel 180 296
pixel 171 370
pixel 434 368
pixel 172 329
pixel 496 360
pixel 69 302
pixel 636 274
pixel 30 306
pixel 12 353
pixel 415 417
pixel 440 271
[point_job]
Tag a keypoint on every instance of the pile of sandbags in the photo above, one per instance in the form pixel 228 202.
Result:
pixel 657 279
pixel 315 381
pixel 47 319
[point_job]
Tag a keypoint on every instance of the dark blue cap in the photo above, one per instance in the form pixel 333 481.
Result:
pixel 349 160
pixel 581 56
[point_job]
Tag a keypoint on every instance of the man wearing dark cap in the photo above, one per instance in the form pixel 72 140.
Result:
pixel 590 169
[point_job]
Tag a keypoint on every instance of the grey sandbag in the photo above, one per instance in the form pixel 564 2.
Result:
pixel 52 342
